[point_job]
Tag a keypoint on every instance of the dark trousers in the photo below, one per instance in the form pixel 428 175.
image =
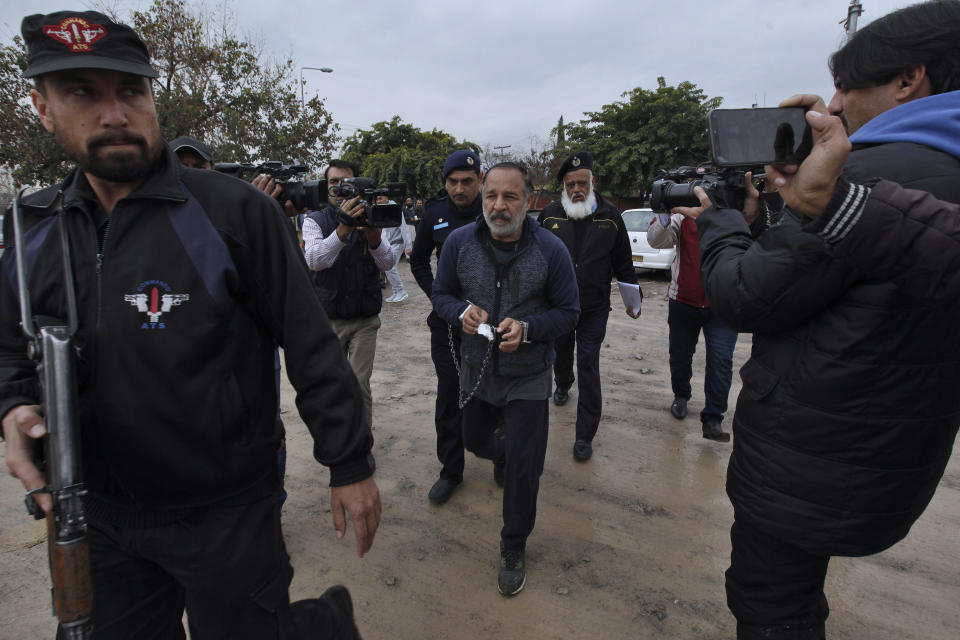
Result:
pixel 227 566
pixel 447 416
pixel 588 336
pixel 686 322
pixel 775 590
pixel 523 448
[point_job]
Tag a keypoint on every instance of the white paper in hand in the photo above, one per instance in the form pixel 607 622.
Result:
pixel 630 293
pixel 486 331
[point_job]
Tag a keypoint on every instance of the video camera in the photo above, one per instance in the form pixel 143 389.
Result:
pixel 726 187
pixel 304 194
pixel 374 215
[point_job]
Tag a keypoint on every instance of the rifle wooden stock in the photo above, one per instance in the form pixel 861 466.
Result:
pixel 70 574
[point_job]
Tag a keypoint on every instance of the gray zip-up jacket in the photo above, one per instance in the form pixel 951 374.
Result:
pixel 538 285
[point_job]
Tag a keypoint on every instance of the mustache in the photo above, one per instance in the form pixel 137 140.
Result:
pixel 116 137
pixel 500 216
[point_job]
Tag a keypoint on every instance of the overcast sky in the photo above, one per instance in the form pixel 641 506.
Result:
pixel 497 72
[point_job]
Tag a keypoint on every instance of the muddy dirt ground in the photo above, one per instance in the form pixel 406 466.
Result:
pixel 632 544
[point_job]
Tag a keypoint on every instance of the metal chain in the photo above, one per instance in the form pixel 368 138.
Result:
pixel 461 401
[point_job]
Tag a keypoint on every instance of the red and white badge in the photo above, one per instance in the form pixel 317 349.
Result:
pixel 76 33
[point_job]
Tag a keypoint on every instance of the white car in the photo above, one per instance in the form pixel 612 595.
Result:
pixel 645 256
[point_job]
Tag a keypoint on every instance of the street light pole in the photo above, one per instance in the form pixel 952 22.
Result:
pixel 854 11
pixel 323 69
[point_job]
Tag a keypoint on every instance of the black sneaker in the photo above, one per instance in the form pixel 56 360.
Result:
pixel 560 396
pixel 442 489
pixel 332 612
pixel 712 431
pixel 679 408
pixel 513 574
pixel 582 450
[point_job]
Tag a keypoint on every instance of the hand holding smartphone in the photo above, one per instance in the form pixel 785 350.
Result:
pixel 755 137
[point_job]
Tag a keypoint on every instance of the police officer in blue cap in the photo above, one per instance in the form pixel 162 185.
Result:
pixel 456 205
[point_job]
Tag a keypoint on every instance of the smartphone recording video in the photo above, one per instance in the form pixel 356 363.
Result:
pixel 754 137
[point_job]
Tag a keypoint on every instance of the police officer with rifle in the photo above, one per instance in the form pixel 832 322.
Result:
pixel 174 285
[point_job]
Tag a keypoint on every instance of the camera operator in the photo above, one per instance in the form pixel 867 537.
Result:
pixel 347 261
pixel 689 313
pixel 847 416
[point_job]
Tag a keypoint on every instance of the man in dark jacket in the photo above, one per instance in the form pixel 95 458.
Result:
pixel 456 206
pixel 849 406
pixel 347 261
pixel 594 234
pixel 185 280
pixel 503 281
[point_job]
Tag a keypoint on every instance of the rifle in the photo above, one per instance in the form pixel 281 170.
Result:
pixel 50 344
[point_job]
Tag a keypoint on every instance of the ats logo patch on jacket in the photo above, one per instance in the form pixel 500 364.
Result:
pixel 153 298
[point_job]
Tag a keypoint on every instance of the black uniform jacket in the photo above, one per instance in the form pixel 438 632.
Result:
pixel 182 297
pixel 437 222
pixel 600 249
pixel 850 400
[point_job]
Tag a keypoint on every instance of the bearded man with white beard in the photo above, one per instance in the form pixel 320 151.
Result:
pixel 594 234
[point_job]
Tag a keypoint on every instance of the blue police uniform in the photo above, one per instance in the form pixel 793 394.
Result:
pixel 438 220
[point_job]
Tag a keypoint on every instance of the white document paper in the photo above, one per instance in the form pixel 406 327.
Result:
pixel 632 299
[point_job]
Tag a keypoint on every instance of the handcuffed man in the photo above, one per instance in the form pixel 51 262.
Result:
pixel 509 288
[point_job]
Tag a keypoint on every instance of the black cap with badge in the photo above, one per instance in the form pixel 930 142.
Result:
pixel 579 160
pixel 82 40
pixel 462 159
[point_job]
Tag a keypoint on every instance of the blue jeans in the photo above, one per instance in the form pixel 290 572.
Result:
pixel 686 322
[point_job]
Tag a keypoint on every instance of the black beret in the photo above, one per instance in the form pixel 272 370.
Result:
pixel 462 159
pixel 82 40
pixel 579 160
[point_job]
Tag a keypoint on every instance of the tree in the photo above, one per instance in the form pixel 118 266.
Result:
pixel 27 151
pixel 650 130
pixel 542 165
pixel 213 85
pixel 395 151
